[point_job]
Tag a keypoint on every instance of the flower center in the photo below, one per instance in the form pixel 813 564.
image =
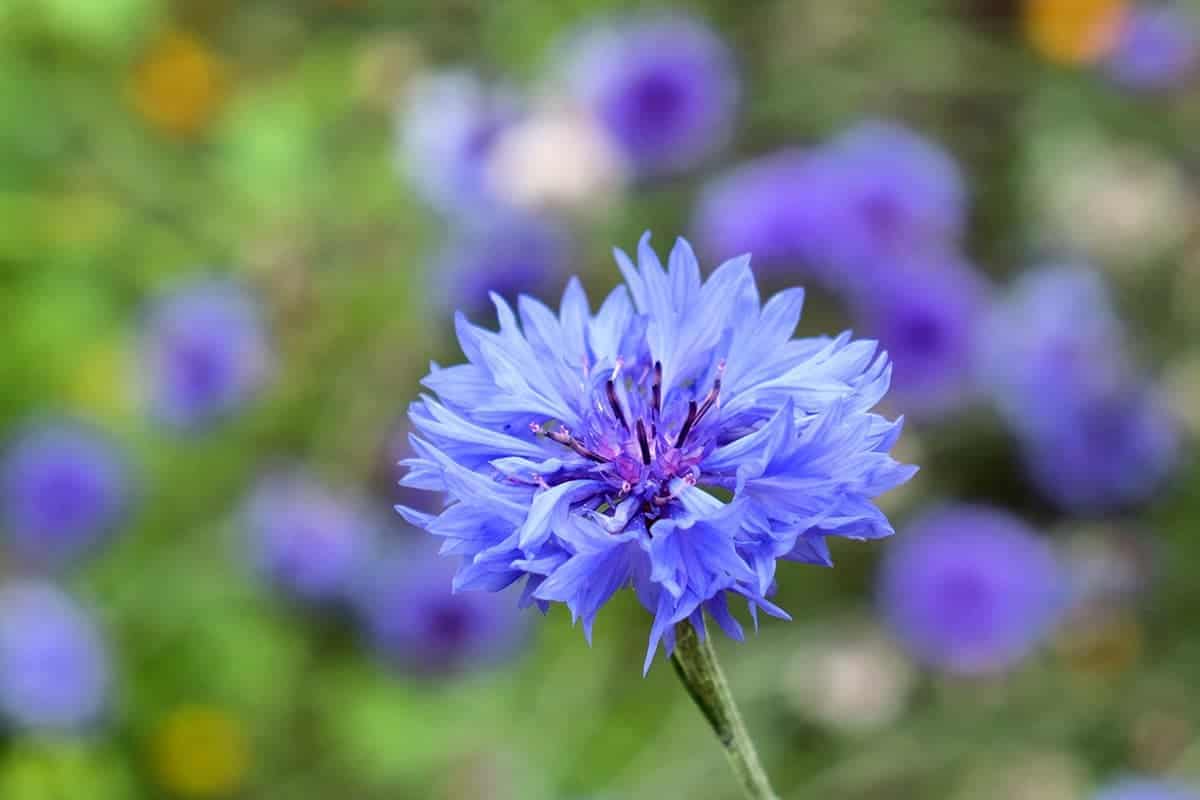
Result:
pixel 643 446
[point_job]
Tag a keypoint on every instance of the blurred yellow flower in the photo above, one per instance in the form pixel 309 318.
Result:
pixel 200 751
pixel 1072 31
pixel 180 84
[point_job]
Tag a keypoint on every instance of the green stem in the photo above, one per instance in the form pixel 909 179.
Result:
pixel 698 670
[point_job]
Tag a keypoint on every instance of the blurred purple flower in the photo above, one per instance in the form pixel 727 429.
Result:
pixel 64 486
pixel 54 669
pixel 928 316
pixel 844 213
pixel 420 625
pixel 447 130
pixel 1147 789
pixel 1055 328
pixel 1095 433
pixel 1106 451
pixel 306 539
pixel 204 352
pixel 970 589
pixel 1157 48
pixel 773 207
pixel 508 254
pixel 888 193
pixel 665 88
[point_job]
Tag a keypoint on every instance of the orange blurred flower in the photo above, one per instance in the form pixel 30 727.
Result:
pixel 1072 31
pixel 179 85
pixel 200 751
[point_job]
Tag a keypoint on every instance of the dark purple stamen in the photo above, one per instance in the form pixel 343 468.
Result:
pixel 656 390
pixel 711 398
pixel 613 401
pixel 565 438
pixel 642 442
pixel 687 424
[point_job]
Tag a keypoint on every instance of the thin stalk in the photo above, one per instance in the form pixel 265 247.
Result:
pixel 696 664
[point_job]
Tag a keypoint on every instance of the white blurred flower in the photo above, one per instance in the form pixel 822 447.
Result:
pixel 1110 566
pixel 854 681
pixel 557 158
pixel 1119 204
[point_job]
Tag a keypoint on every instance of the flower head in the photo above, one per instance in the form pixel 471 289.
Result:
pixel 1157 48
pixel 507 253
pixel 420 625
pixel 843 212
pixel 204 352
pixel 54 670
pixel 1108 450
pixel 970 589
pixel 773 207
pixel 588 452
pixel 558 158
pixel 928 315
pixel 889 192
pixel 448 129
pixel 63 486
pixel 1147 789
pixel 664 88
pixel 305 538
pixel 1095 432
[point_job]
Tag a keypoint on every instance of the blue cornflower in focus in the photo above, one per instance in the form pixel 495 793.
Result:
pixel 970 589
pixel 678 440
pixel 417 623
pixel 665 89
pixel 1157 48
pixel 928 314
pixel 1147 789
pixel 54 669
pixel 506 253
pixel 306 539
pixel 448 128
pixel 63 486
pixel 1094 431
pixel 888 193
pixel 205 352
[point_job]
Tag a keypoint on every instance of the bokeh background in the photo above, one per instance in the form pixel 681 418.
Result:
pixel 232 236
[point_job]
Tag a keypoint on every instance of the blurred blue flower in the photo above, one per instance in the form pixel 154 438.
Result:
pixel 54 670
pixel 1157 48
pixel 1095 433
pixel 842 213
pixel 664 87
pixel 889 192
pixel 306 539
pixel 970 589
pixel 64 486
pixel 1147 789
pixel 505 253
pixel 420 625
pixel 205 352
pixel 574 447
pixel 1107 450
pixel 447 130
pixel 773 207
pixel 927 315
pixel 1056 327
